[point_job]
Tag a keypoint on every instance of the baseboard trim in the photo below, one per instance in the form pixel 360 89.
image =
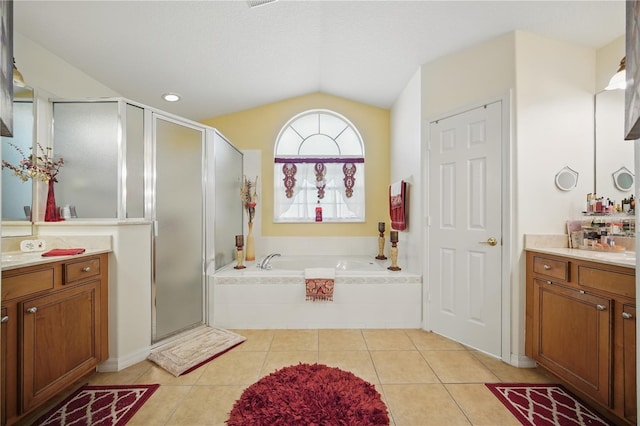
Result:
pixel 117 364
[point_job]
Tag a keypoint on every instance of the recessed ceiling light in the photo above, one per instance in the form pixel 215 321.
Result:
pixel 171 97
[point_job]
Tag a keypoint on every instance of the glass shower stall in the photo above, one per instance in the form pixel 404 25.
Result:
pixel 129 162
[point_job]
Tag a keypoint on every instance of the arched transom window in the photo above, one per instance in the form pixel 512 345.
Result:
pixel 319 162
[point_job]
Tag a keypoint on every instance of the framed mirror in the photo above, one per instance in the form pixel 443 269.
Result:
pixel 613 163
pixel 17 195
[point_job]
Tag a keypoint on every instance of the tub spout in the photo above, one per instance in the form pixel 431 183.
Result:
pixel 265 262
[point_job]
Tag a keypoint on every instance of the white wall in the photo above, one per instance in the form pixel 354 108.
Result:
pixel 608 60
pixel 554 106
pixel 468 77
pixel 43 70
pixel 405 159
pixel 552 85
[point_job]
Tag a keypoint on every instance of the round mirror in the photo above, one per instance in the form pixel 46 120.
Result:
pixel 566 179
pixel 623 179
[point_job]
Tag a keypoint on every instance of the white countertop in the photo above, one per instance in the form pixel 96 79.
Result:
pixel 18 259
pixel 624 258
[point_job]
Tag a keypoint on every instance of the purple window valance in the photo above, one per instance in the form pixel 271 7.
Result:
pixel 316 160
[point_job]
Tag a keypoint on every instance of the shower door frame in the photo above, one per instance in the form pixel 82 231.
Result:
pixel 151 207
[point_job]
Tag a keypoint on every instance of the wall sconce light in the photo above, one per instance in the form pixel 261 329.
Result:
pixel 619 79
pixel 18 80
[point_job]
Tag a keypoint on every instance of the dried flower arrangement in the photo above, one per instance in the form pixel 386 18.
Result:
pixel 249 197
pixel 42 166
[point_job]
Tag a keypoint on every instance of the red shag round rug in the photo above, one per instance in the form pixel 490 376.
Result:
pixel 309 395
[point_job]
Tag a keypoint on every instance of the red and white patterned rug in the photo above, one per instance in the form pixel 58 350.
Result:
pixel 545 405
pixel 98 405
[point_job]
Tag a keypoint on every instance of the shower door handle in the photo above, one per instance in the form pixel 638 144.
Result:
pixel 155 228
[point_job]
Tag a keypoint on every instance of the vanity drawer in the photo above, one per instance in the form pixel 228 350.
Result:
pixel 81 270
pixel 554 268
pixel 27 283
pixel 606 280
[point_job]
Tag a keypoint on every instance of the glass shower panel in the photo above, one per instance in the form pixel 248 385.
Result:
pixel 86 136
pixel 178 244
pixel 134 183
pixel 228 205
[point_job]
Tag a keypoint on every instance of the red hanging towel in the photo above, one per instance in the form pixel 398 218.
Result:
pixel 397 199
pixel 319 283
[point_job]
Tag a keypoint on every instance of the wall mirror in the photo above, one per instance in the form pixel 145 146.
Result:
pixel 613 162
pixel 17 196
pixel 566 179
pixel 623 179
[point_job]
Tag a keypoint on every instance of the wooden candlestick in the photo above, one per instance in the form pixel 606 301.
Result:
pixel 381 255
pixel 239 252
pixel 394 252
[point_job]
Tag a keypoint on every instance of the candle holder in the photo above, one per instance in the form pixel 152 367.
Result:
pixel 239 252
pixel 394 252
pixel 381 255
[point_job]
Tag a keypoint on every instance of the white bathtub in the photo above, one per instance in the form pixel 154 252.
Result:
pixel 366 295
pixel 342 264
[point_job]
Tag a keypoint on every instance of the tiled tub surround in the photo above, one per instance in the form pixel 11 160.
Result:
pixel 275 299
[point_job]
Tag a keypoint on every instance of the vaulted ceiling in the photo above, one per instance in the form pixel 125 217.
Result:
pixel 225 56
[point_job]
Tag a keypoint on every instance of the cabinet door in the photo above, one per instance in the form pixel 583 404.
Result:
pixel 4 320
pixel 572 337
pixel 59 341
pixel 629 356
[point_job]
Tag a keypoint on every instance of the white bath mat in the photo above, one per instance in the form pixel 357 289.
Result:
pixel 187 353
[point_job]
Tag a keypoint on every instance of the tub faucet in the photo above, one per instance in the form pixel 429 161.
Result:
pixel 265 262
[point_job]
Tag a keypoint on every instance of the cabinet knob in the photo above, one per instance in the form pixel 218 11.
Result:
pixel 32 310
pixel 4 319
pixel 86 269
pixel 546 267
pixel 627 315
pixel 601 307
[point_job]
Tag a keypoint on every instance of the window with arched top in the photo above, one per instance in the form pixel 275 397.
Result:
pixel 319 162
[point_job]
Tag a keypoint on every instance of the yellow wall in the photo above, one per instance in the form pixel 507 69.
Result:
pixel 257 129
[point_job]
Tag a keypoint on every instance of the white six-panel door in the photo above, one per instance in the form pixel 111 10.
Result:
pixel 464 265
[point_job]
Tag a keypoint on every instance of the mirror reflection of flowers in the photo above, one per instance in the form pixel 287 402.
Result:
pixel 41 166
pixel 249 196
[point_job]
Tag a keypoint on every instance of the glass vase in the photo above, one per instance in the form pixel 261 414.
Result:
pixel 51 213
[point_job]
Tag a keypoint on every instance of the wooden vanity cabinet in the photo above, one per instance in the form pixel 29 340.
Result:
pixel 580 326
pixel 629 361
pixel 573 337
pixel 4 321
pixel 59 335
